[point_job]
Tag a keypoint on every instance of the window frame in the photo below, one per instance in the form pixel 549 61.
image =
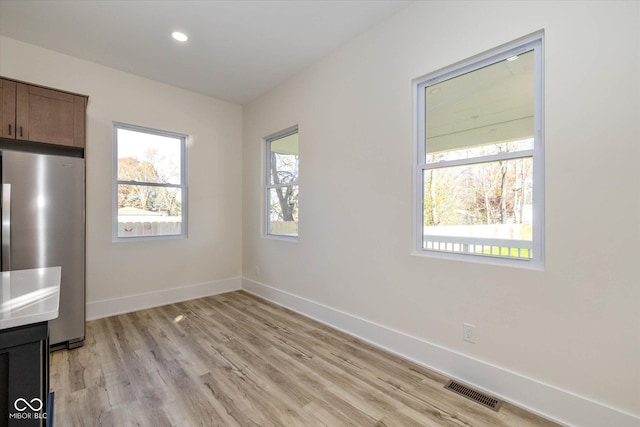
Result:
pixel 266 228
pixel 183 186
pixel 535 43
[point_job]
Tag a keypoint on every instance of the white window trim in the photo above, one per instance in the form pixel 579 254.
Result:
pixel 266 150
pixel 533 42
pixel 183 187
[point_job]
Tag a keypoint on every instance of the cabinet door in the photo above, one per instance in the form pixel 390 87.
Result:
pixel 8 108
pixel 46 115
pixel 24 375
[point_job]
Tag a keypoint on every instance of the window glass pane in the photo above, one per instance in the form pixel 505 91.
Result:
pixel 480 204
pixel 283 210
pixel 477 113
pixel 149 210
pixel 146 157
pixel 283 161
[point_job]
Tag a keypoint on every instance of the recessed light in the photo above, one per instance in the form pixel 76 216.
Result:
pixel 181 37
pixel 512 58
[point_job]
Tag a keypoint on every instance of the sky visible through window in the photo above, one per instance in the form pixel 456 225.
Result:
pixel 162 151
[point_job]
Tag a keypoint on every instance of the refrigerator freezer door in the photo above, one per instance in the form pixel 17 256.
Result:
pixel 47 209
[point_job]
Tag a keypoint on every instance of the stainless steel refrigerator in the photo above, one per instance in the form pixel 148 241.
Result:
pixel 43 225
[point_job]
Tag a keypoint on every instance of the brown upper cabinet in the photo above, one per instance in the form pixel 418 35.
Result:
pixel 34 113
pixel 8 108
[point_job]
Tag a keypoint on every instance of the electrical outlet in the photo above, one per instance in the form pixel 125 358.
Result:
pixel 468 332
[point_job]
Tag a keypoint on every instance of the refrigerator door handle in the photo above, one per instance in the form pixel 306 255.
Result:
pixel 6 227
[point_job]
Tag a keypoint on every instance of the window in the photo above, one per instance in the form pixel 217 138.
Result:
pixel 150 185
pixel 479 172
pixel 282 184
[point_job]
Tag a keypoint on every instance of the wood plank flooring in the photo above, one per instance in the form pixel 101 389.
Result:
pixel 236 360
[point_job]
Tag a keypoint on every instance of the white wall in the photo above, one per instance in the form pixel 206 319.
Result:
pixel 574 326
pixel 212 252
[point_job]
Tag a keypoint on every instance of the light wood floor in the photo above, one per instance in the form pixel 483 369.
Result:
pixel 236 360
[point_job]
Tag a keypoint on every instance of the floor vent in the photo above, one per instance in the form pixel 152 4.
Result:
pixel 475 395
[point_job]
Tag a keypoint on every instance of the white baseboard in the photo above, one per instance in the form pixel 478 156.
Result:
pixel 111 307
pixel 548 401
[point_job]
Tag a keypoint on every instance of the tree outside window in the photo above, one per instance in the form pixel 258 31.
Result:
pixel 282 187
pixel 480 157
pixel 150 182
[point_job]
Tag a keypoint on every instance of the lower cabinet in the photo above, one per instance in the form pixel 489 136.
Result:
pixel 24 376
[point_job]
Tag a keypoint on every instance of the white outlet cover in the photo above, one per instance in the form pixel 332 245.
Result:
pixel 468 332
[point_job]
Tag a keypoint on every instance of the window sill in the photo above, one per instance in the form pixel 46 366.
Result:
pixel 148 238
pixel 281 237
pixel 525 264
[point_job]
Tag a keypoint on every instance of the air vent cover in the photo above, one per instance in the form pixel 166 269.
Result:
pixel 475 395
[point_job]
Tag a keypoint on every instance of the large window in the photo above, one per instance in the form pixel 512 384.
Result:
pixel 282 187
pixel 480 160
pixel 150 186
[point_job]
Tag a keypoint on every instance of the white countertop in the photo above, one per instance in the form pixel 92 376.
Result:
pixel 29 296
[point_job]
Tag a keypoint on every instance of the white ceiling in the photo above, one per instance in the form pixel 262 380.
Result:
pixel 237 49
